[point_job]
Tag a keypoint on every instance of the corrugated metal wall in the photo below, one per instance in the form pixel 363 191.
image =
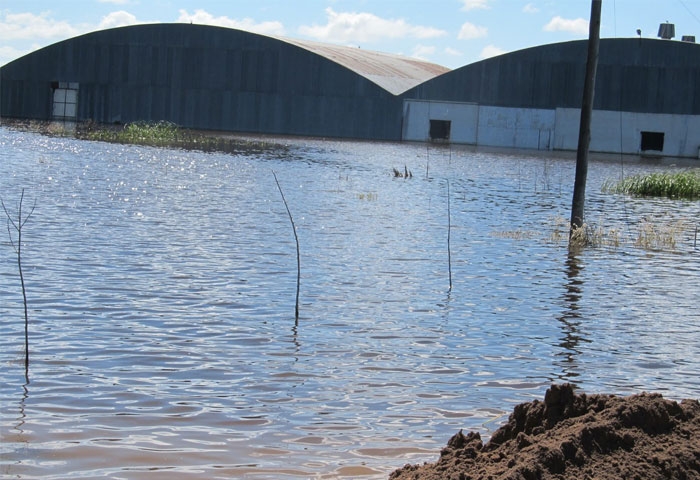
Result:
pixel 202 77
pixel 223 79
pixel 634 75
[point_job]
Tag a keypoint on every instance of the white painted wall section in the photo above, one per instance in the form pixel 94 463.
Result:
pixel 611 132
pixel 621 132
pixel 417 115
pixel 516 127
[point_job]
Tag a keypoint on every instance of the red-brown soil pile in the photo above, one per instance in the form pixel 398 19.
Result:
pixel 582 437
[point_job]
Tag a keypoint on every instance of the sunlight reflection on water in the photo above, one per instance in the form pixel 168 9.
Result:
pixel 161 288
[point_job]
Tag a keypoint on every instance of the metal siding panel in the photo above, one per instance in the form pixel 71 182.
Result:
pixel 215 68
pixel 172 67
pixel 159 70
pixel 248 109
pixel 295 90
pixel 635 75
pixel 102 65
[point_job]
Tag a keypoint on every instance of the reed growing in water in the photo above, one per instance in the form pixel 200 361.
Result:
pixel 170 135
pixel 646 234
pixel 17 224
pixel 685 185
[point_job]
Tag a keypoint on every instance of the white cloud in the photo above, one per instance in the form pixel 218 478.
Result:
pixel 491 51
pixel 23 33
pixel 530 8
pixel 203 17
pixel 7 54
pixel 26 26
pixel 475 4
pixel 577 26
pixel 470 31
pixel 423 52
pixel 117 19
pixel 116 2
pixel 365 27
pixel 452 52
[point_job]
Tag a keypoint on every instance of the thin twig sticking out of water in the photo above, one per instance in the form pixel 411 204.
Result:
pixel 427 160
pixel 296 239
pixel 449 228
pixel 17 226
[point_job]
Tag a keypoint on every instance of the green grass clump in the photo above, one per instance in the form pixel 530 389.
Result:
pixel 138 133
pixel 169 135
pixel 159 133
pixel 685 184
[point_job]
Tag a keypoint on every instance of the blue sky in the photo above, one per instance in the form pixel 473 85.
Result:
pixel 452 33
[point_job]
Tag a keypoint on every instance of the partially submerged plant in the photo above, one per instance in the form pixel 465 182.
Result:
pixel 405 174
pixel 139 133
pixel 369 196
pixel 449 228
pixel 159 133
pixel 647 234
pixel 684 184
pixel 296 239
pixel 652 236
pixel 167 134
pixel 17 225
pixel 518 234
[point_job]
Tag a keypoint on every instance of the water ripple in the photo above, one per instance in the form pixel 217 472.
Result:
pixel 161 289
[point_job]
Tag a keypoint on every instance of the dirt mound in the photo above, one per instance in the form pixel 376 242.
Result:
pixel 570 436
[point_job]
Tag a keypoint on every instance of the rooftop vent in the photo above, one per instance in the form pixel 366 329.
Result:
pixel 667 31
pixel 688 38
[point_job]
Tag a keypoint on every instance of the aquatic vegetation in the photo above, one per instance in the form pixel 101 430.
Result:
pixel 685 184
pixel 17 225
pixel 369 196
pixel 647 234
pixel 405 174
pixel 449 228
pixel 296 239
pixel 159 133
pixel 517 234
pixel 651 236
pixel 594 236
pixel 142 133
pixel 170 135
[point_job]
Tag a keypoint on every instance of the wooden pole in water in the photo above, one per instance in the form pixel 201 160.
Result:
pixel 584 136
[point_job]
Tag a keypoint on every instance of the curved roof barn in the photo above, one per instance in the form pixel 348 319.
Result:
pixel 214 78
pixel 633 75
pixel 218 78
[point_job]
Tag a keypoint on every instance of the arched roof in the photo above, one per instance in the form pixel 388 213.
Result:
pixel 216 78
pixel 394 73
pixel 634 75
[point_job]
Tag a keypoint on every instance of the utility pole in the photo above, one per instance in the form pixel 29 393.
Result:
pixel 584 134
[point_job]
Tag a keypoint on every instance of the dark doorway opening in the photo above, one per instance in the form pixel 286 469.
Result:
pixel 653 141
pixel 440 129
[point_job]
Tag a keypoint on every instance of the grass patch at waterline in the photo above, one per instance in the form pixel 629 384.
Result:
pixel 685 185
pixel 154 134
pixel 656 234
pixel 169 135
pixel 141 133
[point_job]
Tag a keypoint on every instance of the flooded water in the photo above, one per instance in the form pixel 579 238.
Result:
pixel 161 291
